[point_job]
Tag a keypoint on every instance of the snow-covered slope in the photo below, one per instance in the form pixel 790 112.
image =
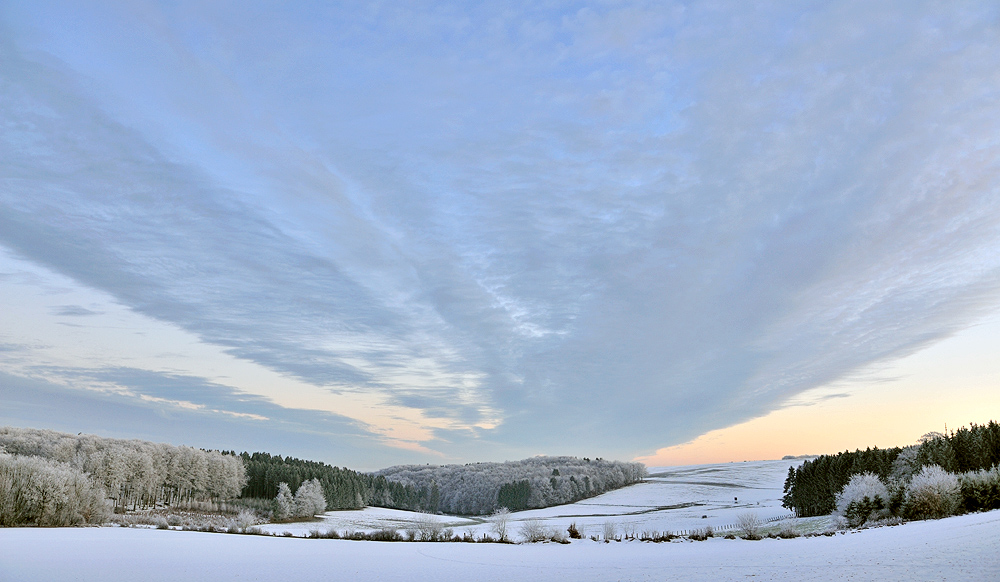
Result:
pixel 958 548
pixel 673 499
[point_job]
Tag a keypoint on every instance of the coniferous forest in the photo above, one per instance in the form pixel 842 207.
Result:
pixel 471 489
pixel 342 487
pixel 813 487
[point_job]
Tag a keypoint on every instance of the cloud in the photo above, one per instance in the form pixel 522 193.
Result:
pixel 306 434
pixel 563 228
pixel 73 311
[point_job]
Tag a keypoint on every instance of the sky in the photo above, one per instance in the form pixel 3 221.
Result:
pixel 382 233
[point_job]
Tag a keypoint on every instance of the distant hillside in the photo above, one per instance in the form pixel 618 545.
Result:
pixel 136 474
pixel 479 488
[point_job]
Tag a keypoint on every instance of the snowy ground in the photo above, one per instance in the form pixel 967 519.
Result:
pixel 957 548
pixel 673 499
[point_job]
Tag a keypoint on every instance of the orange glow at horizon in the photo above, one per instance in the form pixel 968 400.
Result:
pixel 954 382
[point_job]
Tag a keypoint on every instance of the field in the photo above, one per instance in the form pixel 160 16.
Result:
pixel 672 499
pixel 957 548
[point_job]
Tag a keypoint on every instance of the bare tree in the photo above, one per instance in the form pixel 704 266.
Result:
pixel 499 522
pixel 429 527
pixel 610 530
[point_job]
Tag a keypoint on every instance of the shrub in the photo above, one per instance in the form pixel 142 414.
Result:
pixel 574 532
pixel 788 531
pixel 656 536
pixel 749 525
pixel 610 531
pixel 429 528
pixel 980 489
pixel 701 534
pixel 933 493
pixel 864 497
pixel 243 520
pixel 385 535
pixel 532 530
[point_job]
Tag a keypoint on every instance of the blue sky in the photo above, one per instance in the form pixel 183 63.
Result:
pixel 376 233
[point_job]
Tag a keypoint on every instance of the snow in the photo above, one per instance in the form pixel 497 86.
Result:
pixel 956 548
pixel 672 499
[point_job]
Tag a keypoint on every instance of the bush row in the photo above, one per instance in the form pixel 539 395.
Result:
pixel 930 494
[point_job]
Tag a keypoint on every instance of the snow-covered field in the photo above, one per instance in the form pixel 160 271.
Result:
pixel 957 548
pixel 673 499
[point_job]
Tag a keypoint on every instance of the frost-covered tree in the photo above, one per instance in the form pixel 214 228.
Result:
pixel 499 521
pixel 38 491
pixel 933 493
pixel 480 488
pixel 907 464
pixel 135 473
pixel 284 503
pixel 309 499
pixel 864 497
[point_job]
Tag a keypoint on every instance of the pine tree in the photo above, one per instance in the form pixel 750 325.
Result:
pixel 284 503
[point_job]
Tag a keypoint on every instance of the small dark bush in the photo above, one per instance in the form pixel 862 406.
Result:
pixel 700 535
pixel 574 532
pixel 656 536
pixel 385 535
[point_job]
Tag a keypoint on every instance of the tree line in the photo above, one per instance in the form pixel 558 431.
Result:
pixel 472 489
pixel 481 488
pixel 343 488
pixel 134 473
pixel 38 467
pixel 812 488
